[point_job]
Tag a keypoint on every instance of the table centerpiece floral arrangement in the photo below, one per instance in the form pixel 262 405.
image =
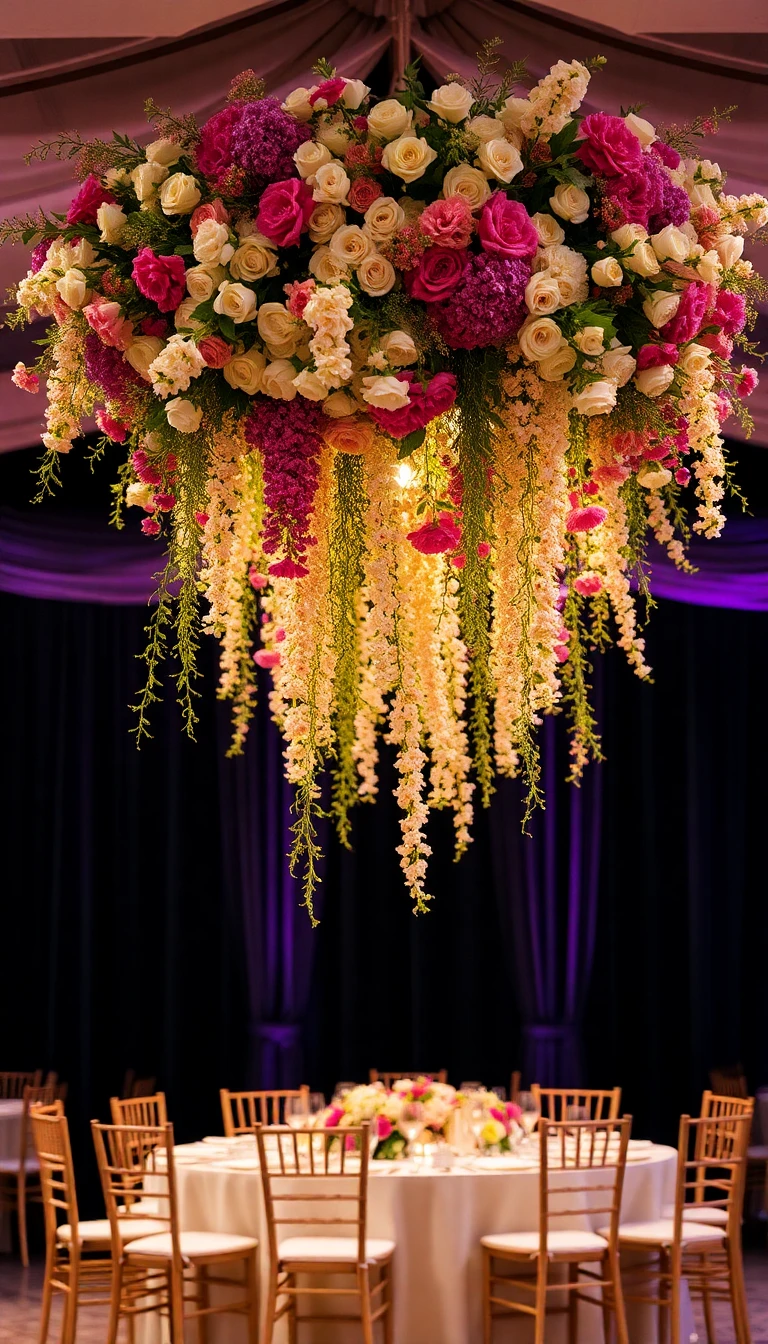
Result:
pixel 381 1106
pixel 501 1130
pixel 405 386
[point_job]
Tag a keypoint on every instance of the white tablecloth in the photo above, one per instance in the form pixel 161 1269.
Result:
pixel 10 1138
pixel 436 1220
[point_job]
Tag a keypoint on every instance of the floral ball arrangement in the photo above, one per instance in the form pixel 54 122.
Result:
pixel 406 386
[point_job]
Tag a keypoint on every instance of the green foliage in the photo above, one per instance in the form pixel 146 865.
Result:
pixel 683 137
pixel 47 473
pixel 347 554
pixel 574 674
pixel 183 129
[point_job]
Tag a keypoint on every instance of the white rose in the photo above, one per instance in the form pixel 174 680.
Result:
pixel 645 132
pixel 254 259
pixel 660 307
pixel 201 281
pixel 183 415
pixel 308 385
pixel 451 102
pixel 297 104
pixel 82 253
pixel 500 159
pixel 607 272
pixel 596 398
pixel 244 370
pixel 279 330
pixel 542 294
pixel 235 301
pixel 399 348
pixel 729 249
pixel 350 245
pixel 709 267
pixel 590 341
pixel 642 259
pixel 512 113
pixel 652 382
pixel 183 315
pixel 110 219
pixel 389 392
pixel 382 219
pixel 618 364
pixel 117 177
pixel 326 267
pixel 376 275
pixel 549 231
pixel 355 92
pixel 711 172
pixel 700 194
pixel 539 337
pixel 408 157
pixel 165 152
pixel 210 243
pixel 553 368
pixel 73 288
pixel 324 221
pixel 694 358
pixel 338 404
pixel 671 244
pixel 179 195
pixel 570 203
pixel 334 134
pixel 653 477
pixel 485 128
pixel 468 182
pixel 141 353
pixel 331 183
pixel 310 156
pixel 389 119
pixel 146 178
pixel 629 234
pixel 277 380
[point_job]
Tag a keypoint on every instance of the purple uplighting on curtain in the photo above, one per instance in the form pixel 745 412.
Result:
pixel 76 560
pixel 731 571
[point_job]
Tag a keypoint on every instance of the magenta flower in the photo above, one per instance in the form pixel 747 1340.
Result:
pixel 585 519
pixel 384 1127
pixel 25 378
pixel 746 381
pixel 329 92
pixel 213 155
pixel 114 429
pixel 436 275
pixel 669 156
pixel 39 254
pixel 426 402
pixel 730 312
pixel 333 1116
pixel 687 322
pixel 505 228
pixel 588 584
pixel 150 527
pixel 608 146
pixel 284 211
pixel 267 657
pixel 264 140
pixel 651 356
pixel 488 306
pixel 160 279
pixel 442 534
pixel 287 433
pixel 84 206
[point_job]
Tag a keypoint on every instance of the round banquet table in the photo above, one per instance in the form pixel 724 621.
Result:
pixel 436 1219
pixel 10 1138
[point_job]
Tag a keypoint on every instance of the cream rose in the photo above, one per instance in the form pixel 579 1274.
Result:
pixel 570 203
pixel 308 385
pixel 619 364
pixel 244 370
pixel 485 128
pixel 645 132
pixel 590 341
pixel 254 259
pixel 350 245
pixel 279 330
pixel 211 245
pixel 331 183
pixel 333 133
pixel 376 275
pixel 355 92
pixel 729 249
pixel 277 380
pixel 73 288
pixel 700 194
pixel 179 195
pixel 512 113
pixel 142 352
pixel 629 234
pixel 408 157
pixel 324 221
pixel 326 267
pixel 165 152
pixel 451 102
pixel 235 301
pixel 399 348
pixel 146 178
pixel 671 244
pixel 539 337
pixel 694 358
pixel 138 495
pixel 389 119
pixel 110 219
pixel 709 267
pixel 596 398
pixel 310 156
pixel 382 219
pixel 653 477
pixel 467 182
pixel 298 105
pixel 338 404
pixel 500 159
pixel 542 294
pixel 607 272
pixel 642 258
pixel 660 307
pixel 388 393
pixel 553 368
pixel 183 315
pixel 652 382
pixel 183 415
pixel 549 231
pixel 202 281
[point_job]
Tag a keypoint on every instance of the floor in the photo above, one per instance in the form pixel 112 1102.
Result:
pixel 20 1306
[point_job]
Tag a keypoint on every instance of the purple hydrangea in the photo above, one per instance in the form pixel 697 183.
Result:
pixel 106 367
pixel 288 436
pixel 258 137
pixel 648 196
pixel 488 305
pixel 39 254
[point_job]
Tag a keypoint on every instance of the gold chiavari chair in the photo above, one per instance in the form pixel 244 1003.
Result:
pixel 171 1271
pixel 139 1110
pixel 12 1084
pixel 242 1110
pixel 702 1209
pixel 374 1076
pixel 20 1175
pixel 555 1102
pixel 137 1087
pixel 318 1180
pixel 585 1159
pixel 710 1171
pixel 514 1085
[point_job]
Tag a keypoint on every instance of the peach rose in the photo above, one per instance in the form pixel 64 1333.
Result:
pixel 352 435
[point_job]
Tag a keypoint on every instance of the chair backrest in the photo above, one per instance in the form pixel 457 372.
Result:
pixel 136 1170
pixel 141 1110
pixel 50 1135
pixel 711 1165
pixel 439 1076
pixel 242 1110
pixel 315 1178
pixel 137 1087
pixel 555 1102
pixel 568 1151
pixel 12 1084
pixel 35 1097
pixel 514 1085
pixel 729 1082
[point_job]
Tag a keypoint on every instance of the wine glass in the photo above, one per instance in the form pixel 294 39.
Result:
pixel 467 1089
pixel 342 1089
pixel 478 1116
pixel 316 1103
pixel 410 1122
pixel 297 1112
pixel 530 1113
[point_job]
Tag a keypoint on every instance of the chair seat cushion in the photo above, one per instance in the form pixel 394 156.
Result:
pixel 12 1164
pixel 661 1232
pixel 333 1248
pixel 559 1242
pixel 192 1244
pixel 699 1213
pixel 96 1232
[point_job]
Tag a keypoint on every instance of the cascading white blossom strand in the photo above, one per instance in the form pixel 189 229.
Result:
pixel 699 404
pixel 663 530
pixel 610 544
pixel 550 426
pixel 70 396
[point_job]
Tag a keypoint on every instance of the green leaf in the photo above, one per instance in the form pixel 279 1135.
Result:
pixel 184 250
pixel 562 142
pixel 227 328
pixel 410 443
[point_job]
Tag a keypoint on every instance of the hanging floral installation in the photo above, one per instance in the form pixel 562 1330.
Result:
pixel 407 385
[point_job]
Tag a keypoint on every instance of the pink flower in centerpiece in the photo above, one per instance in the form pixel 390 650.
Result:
pixel 150 527
pixel 384 1127
pixel 730 312
pixel 363 192
pixel 25 378
pixel 215 351
pixel 215 209
pixel 284 211
pixel 107 320
pixel 505 228
pixel 425 403
pixel 448 223
pixel 718 342
pixel 160 279
pixel 436 275
pixel 586 518
pixel 84 206
pixel 333 1116
pixel 298 294
pixel 442 534
pixel 513 1110
pixel 608 146
pixel 689 318
pixel 114 429
pixel 588 584
pixel 652 356
pixel 267 657
pixel 327 93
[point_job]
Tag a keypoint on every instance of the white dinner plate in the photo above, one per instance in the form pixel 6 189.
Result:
pixel 503 1163
pixel 236 1164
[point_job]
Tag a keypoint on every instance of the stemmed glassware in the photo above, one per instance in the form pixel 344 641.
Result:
pixel 297 1112
pixel 478 1115
pixel 530 1114
pixel 410 1122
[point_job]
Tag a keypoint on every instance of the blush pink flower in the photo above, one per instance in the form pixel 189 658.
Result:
pixel 718 342
pixel 426 402
pixel 746 381
pixel 448 223
pixel 107 320
pixel 436 275
pixel 256 579
pixel 298 294
pixel 267 657
pixel 84 206
pixel 284 211
pixel 505 228
pixel 215 351
pixel 588 584
pixel 25 378
pixel 329 92
pixel 114 429
pixel 442 534
pixel 586 518
pixel 215 209
pixel 160 279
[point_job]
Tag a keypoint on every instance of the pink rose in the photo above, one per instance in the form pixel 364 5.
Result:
pixel 608 146
pixel 267 658
pixel 333 1116
pixel 513 1110
pixel 107 320
pixel 329 92
pixel 506 229
pixel 689 318
pixel 363 192
pixel 160 279
pixel 114 429
pixel 425 403
pixel 448 223
pixel 730 312
pixel 212 210
pixel 437 274
pixel 84 206
pixel 284 211
pixel 718 342
pixel 215 351
pixel 651 356
pixel 442 534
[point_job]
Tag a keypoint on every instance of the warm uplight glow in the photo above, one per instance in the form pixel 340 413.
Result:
pixel 404 474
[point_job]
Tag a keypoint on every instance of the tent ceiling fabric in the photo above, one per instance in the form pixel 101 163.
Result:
pixel 100 82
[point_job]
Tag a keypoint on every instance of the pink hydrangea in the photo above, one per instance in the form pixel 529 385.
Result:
pixel 161 279
pixel 25 378
pixel 284 211
pixel 608 146
pixel 505 228
pixel 435 538
pixel 426 402
pixel 84 206
pixel 448 223
pixel 107 320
